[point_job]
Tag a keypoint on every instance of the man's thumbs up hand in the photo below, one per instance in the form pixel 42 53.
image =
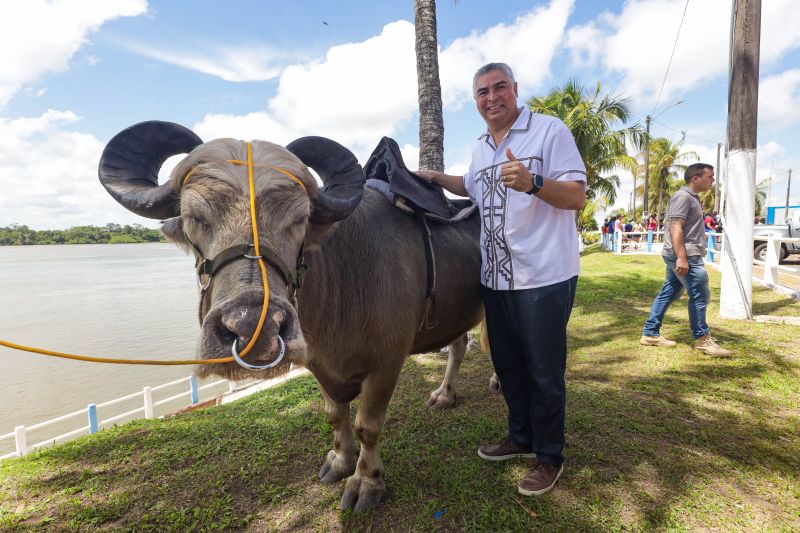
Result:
pixel 514 175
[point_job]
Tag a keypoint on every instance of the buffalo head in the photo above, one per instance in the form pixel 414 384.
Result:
pixel 207 205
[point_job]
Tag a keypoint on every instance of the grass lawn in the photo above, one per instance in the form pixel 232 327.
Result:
pixel 657 439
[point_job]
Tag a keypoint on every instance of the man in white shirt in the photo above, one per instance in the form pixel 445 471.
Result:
pixel 528 179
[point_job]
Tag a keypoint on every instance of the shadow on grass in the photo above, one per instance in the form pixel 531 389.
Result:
pixel 769 308
pixel 655 440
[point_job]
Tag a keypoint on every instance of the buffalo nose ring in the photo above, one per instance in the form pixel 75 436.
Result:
pixel 247 365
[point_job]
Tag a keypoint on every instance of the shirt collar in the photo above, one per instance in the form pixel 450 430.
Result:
pixel 521 125
pixel 687 189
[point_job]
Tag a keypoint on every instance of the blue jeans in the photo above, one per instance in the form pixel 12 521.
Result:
pixel 528 338
pixel 696 285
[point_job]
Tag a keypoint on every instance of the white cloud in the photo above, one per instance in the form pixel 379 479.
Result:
pixel 237 64
pixel 39 36
pixel 770 150
pixel 356 94
pixel 49 175
pixel 638 41
pixel 410 155
pixel 582 43
pixel 527 45
pixel 779 98
pixel 362 91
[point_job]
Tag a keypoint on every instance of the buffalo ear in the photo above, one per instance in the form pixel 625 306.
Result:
pixel 173 231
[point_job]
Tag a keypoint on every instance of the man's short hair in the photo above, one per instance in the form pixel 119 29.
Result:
pixel 490 67
pixel 695 169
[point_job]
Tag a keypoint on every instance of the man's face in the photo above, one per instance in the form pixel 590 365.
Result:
pixel 706 181
pixel 496 99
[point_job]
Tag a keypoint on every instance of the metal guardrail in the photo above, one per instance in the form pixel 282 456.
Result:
pixel 94 424
pixel 640 242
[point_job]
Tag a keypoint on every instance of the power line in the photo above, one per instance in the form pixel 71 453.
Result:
pixel 669 64
pixel 676 129
pixel 685 133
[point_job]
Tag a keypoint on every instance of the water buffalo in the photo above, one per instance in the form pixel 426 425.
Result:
pixel 358 312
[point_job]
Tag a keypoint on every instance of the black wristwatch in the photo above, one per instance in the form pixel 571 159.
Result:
pixel 538 183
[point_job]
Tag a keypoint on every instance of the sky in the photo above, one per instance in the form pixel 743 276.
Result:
pixel 76 72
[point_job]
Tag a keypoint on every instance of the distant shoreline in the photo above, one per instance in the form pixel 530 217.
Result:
pixel 79 243
pixel 20 235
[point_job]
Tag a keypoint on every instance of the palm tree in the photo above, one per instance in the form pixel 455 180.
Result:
pixel 761 196
pixel 666 170
pixel 591 118
pixel 429 90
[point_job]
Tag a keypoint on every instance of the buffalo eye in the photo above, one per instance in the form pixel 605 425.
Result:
pixel 196 223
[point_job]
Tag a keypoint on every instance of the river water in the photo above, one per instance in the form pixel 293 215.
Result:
pixel 136 301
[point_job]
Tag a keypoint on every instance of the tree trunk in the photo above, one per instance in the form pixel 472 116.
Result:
pixel 431 124
pixel 660 201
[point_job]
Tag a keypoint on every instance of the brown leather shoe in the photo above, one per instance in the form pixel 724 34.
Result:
pixel 506 449
pixel 708 345
pixel 540 478
pixel 658 340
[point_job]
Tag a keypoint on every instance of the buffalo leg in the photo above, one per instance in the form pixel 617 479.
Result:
pixel 494 384
pixel 445 395
pixel 366 487
pixel 340 462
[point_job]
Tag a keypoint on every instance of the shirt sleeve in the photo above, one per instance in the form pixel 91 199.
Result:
pixel 468 181
pixel 562 161
pixel 678 207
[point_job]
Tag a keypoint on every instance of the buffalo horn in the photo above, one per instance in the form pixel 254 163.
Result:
pixel 341 174
pixel 130 163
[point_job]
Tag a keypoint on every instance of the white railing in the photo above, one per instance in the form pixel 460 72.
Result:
pixel 637 242
pixel 714 246
pixel 20 433
pixel 772 265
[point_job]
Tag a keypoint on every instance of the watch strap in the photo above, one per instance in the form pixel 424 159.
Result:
pixel 538 183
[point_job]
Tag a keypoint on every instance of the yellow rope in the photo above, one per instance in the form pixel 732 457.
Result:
pixel 41 351
pixel 254 224
pixel 263 268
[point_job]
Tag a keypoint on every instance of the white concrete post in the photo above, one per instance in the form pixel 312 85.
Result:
pixel 148 402
pixel 736 289
pixel 773 258
pixel 21 440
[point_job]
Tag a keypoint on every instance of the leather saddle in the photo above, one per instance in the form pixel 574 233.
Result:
pixel 387 173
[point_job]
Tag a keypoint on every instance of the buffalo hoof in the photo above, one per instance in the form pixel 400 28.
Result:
pixel 494 384
pixel 336 469
pixel 442 398
pixel 361 494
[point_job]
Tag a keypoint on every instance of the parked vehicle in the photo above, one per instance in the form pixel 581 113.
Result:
pixel 790 229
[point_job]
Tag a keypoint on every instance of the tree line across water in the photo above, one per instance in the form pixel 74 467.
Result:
pixel 16 234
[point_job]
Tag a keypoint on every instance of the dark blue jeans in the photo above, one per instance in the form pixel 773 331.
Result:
pixel 528 337
pixel 696 285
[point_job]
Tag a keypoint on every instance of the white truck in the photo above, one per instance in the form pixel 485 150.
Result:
pixel 791 229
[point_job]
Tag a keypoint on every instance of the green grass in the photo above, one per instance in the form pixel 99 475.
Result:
pixel 657 439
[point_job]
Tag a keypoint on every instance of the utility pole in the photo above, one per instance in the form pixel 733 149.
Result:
pixel 788 191
pixel 737 261
pixel 647 155
pixel 719 178
pixel 645 210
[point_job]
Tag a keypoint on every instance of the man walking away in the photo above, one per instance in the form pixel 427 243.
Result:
pixel 683 252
